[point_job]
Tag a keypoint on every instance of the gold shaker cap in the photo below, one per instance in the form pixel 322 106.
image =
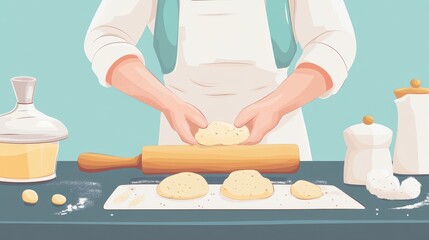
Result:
pixel 415 88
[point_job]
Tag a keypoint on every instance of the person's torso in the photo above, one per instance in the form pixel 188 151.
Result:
pixel 224 49
pixel 225 32
pixel 225 62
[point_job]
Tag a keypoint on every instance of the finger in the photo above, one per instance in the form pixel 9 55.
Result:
pixel 244 117
pixel 187 137
pixel 257 133
pixel 198 118
pixel 253 139
pixel 194 129
pixel 189 140
pixel 182 128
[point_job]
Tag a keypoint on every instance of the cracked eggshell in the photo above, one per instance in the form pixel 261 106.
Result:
pixel 411 187
pixel 374 180
pixel 382 184
pixel 385 185
pixel 391 189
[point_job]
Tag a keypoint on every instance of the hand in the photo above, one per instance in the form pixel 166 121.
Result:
pixel 130 75
pixel 306 83
pixel 260 117
pixel 185 119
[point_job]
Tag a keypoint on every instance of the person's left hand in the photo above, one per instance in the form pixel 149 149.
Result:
pixel 260 117
pixel 306 83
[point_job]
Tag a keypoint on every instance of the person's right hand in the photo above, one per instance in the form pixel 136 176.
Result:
pixel 130 75
pixel 185 119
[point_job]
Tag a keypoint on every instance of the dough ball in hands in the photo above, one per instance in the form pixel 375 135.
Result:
pixel 183 186
pixel 305 190
pixel 247 185
pixel 221 133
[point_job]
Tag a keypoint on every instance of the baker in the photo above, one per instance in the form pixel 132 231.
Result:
pixel 225 60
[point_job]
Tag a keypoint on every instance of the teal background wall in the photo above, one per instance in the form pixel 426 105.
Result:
pixel 45 39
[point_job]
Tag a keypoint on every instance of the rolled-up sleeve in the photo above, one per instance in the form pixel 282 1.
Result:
pixel 114 32
pixel 326 35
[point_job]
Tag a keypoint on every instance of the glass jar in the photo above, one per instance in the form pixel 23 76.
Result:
pixel 29 139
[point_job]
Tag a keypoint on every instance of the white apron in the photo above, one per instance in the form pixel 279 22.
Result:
pixel 225 62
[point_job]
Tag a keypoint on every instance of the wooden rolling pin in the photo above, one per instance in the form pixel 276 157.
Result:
pixel 270 158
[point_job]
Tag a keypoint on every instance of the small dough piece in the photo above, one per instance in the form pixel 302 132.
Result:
pixel 30 196
pixel 183 186
pixel 247 185
pixel 58 199
pixel 305 190
pixel 221 133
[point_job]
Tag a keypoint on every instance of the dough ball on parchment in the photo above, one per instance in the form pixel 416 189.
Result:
pixel 221 133
pixel 183 186
pixel 304 190
pixel 247 185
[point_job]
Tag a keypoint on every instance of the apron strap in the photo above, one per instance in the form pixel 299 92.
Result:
pixel 282 38
pixel 166 33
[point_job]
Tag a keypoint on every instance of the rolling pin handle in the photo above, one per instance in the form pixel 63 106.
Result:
pixel 93 162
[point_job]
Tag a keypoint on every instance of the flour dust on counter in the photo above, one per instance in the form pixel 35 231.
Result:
pixel 81 204
pixel 144 181
pixel 423 203
pixel 86 191
pixel 282 182
pixel 321 182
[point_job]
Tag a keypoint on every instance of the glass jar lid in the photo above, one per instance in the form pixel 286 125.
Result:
pixel 25 124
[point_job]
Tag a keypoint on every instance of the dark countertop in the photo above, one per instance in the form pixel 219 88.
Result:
pixel 18 221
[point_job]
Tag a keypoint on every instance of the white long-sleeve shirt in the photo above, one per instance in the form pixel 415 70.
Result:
pixel 322 28
pixel 225 59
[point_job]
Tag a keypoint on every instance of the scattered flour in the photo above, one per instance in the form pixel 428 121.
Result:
pixel 85 189
pixel 144 181
pixel 415 205
pixel 86 192
pixel 81 204
pixel 320 182
pixel 290 182
pixel 282 182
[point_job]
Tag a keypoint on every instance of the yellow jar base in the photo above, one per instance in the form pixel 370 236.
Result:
pixel 28 180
